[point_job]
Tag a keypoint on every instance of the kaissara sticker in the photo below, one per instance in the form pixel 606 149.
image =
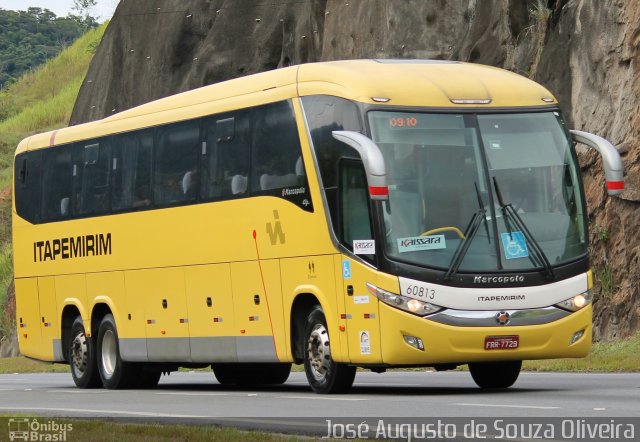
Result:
pixel 365 346
pixel 361 299
pixel 364 246
pixel 417 243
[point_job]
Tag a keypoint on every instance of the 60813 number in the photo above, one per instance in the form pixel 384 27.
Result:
pixel 420 291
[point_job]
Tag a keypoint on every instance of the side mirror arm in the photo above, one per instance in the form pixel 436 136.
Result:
pixel 371 158
pixel 611 161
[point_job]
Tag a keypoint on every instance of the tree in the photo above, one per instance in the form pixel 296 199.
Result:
pixel 84 8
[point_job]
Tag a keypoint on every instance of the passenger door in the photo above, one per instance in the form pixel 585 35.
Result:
pixel 356 234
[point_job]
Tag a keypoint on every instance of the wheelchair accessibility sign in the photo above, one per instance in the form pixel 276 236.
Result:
pixel 514 245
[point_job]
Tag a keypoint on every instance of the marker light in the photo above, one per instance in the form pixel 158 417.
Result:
pixel 414 342
pixel 577 302
pixel 405 303
pixel 471 100
pixel 576 337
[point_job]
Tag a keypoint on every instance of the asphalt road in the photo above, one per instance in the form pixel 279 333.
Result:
pixel 196 397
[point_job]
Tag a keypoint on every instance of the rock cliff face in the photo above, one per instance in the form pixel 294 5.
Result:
pixel 585 51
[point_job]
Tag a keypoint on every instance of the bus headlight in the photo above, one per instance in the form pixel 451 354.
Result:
pixel 405 303
pixel 577 302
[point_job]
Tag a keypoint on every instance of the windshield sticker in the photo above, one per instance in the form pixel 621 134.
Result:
pixel 514 245
pixel 416 243
pixel 364 246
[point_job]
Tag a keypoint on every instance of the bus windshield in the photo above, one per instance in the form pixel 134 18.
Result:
pixel 493 192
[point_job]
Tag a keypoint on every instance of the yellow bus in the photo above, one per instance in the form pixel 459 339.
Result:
pixel 365 213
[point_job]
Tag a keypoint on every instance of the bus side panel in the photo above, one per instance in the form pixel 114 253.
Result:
pixel 162 293
pixel 49 324
pixel 28 318
pixel 272 281
pixel 133 322
pixel 211 318
pixel 363 319
pixel 255 341
pixel 71 290
pixel 108 288
pixel 314 275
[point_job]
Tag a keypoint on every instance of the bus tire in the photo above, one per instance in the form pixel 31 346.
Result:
pixel 495 375
pixel 251 374
pixel 114 372
pixel 82 357
pixel 325 376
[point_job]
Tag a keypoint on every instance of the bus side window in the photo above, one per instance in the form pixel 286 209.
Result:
pixel 93 181
pixel 225 155
pixel 176 163
pixel 355 221
pixel 276 149
pixel 28 185
pixel 131 170
pixel 57 183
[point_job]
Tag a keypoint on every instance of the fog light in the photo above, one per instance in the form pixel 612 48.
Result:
pixel 414 342
pixel 576 337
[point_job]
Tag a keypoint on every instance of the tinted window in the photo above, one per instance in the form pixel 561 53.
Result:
pixel 277 160
pixel 225 155
pixel 57 186
pixel 355 222
pixel 325 114
pixel 92 178
pixel 176 165
pixel 131 170
pixel 28 185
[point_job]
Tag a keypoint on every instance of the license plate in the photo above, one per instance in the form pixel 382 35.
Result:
pixel 501 342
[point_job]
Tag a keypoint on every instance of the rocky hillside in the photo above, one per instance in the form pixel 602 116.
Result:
pixel 585 51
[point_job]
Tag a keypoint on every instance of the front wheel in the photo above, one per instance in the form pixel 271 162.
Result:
pixel 495 374
pixel 114 372
pixel 82 357
pixel 325 376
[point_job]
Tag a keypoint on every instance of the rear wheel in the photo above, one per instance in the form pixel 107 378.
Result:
pixel 114 372
pixel 323 373
pixel 501 374
pixel 82 357
pixel 251 374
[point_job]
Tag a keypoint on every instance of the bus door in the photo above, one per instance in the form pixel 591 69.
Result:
pixel 356 234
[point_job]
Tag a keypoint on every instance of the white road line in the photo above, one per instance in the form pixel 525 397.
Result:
pixel 385 384
pixel 320 398
pixel 92 391
pixel 535 407
pixel 85 411
pixel 195 394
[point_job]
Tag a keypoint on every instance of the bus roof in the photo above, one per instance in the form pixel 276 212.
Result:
pixel 419 83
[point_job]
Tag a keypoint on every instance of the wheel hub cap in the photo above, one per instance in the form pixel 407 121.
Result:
pixel 318 351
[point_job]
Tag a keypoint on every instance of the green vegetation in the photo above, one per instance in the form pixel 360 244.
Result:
pixel 40 100
pixel 619 356
pixel 105 431
pixel 30 38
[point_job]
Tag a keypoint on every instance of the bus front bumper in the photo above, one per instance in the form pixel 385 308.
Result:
pixel 401 334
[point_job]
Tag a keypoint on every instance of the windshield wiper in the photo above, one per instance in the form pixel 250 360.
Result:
pixel 469 234
pixel 537 256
